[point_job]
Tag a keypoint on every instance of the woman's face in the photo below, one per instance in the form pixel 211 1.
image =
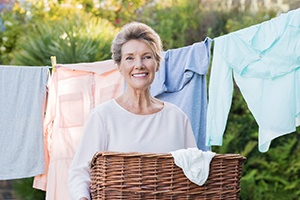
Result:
pixel 138 64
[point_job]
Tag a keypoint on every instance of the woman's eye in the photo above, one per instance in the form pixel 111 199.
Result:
pixel 129 58
pixel 147 57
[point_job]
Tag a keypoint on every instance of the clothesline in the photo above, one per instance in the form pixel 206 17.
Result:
pixel 251 52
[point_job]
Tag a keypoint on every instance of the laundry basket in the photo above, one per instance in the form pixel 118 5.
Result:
pixel 116 175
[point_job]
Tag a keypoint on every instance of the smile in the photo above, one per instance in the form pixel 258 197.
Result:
pixel 140 75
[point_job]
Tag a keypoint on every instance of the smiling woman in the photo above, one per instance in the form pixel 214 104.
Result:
pixel 137 52
pixel 138 67
pixel 135 121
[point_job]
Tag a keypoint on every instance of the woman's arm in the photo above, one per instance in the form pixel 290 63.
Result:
pixel 92 141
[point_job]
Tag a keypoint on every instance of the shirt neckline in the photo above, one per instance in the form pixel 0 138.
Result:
pixel 140 115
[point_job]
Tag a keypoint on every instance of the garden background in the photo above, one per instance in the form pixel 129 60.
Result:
pixel 82 30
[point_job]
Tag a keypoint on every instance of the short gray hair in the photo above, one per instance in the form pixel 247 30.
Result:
pixel 136 31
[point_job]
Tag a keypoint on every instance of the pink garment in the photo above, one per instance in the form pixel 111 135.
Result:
pixel 74 89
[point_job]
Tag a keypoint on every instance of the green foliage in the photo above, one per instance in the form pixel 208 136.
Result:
pixel 12 28
pixel 271 175
pixel 117 12
pixel 239 20
pixel 173 20
pixel 24 190
pixel 73 39
pixel 275 174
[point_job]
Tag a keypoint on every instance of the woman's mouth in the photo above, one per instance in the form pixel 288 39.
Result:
pixel 140 75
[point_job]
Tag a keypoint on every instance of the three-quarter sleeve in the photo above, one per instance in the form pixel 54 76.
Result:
pixel 93 140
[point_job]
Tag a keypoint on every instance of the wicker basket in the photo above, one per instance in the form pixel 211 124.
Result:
pixel 155 176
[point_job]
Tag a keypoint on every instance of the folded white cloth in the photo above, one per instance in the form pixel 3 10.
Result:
pixel 194 163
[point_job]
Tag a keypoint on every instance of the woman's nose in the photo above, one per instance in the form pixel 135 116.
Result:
pixel 139 64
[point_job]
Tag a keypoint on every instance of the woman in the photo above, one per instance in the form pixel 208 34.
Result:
pixel 134 121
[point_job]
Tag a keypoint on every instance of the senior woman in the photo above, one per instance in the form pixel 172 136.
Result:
pixel 134 121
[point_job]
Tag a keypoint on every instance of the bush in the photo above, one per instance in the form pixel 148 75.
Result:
pixel 270 175
pixel 72 39
pixel 11 27
pixel 24 190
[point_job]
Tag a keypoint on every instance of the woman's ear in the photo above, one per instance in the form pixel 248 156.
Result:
pixel 157 67
pixel 119 68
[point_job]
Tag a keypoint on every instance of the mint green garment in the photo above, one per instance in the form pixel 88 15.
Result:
pixel 264 61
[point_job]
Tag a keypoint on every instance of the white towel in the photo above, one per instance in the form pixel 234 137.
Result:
pixel 194 163
pixel 22 101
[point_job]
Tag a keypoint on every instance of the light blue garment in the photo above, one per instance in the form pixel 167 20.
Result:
pixel 181 80
pixel 265 61
pixel 22 101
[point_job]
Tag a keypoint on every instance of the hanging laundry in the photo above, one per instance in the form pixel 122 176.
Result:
pixel 77 88
pixel 264 61
pixel 74 90
pixel 22 104
pixel 181 80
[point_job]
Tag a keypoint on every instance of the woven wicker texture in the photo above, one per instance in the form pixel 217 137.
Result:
pixel 155 176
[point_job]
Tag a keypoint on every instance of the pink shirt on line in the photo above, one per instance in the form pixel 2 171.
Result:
pixel 74 90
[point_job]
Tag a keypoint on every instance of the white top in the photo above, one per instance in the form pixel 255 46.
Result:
pixel 112 128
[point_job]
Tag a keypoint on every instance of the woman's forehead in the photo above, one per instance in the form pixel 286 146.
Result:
pixel 136 46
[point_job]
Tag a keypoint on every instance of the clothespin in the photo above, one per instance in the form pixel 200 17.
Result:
pixel 53 62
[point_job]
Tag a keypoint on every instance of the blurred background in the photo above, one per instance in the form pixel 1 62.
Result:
pixel 82 30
